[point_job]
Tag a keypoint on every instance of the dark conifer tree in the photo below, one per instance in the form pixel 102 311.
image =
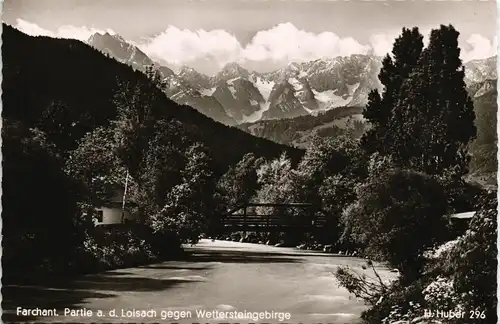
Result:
pixel 405 54
pixel 434 120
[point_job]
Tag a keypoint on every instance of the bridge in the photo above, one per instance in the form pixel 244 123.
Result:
pixel 241 218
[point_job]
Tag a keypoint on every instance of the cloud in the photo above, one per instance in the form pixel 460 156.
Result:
pixel 479 47
pixel 67 31
pixel 472 48
pixel 177 46
pixel 276 46
pixel 382 43
pixel 280 44
pixel 283 43
pixel 286 42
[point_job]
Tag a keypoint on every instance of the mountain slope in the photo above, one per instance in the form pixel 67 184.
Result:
pixel 39 71
pixel 116 47
pixel 483 165
pixel 325 84
pixel 300 131
pixel 182 88
pixel 237 94
pixel 180 91
pixel 478 71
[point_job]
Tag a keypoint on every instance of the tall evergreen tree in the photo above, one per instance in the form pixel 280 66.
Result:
pixel 405 54
pixel 433 121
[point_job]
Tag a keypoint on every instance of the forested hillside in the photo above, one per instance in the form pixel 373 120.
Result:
pixel 75 123
pixel 301 131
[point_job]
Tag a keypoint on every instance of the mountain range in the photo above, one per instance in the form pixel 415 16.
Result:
pixel 235 95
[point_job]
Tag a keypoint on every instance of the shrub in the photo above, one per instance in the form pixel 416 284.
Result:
pixel 474 260
pixel 400 303
pixel 399 214
pixel 109 247
pixel 461 277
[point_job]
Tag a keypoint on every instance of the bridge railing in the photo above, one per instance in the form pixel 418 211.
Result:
pixel 249 220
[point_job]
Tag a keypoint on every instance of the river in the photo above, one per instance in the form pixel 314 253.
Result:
pixel 217 276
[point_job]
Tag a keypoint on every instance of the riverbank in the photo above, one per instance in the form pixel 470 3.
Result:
pixel 103 248
pixel 281 241
pixel 214 275
pixel 121 247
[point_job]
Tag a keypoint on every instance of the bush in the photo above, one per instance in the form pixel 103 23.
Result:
pixel 400 303
pixel 474 260
pixel 461 276
pixel 111 247
pixel 399 214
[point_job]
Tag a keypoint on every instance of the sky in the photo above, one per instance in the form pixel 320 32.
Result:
pixel 261 35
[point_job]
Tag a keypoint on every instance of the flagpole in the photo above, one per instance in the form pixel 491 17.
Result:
pixel 124 196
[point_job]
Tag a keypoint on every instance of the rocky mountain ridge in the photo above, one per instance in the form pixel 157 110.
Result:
pixel 236 95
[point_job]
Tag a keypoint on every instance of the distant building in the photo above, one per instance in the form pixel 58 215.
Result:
pixel 111 212
pixel 465 216
pixel 460 222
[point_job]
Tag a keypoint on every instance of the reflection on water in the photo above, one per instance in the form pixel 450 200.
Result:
pixel 222 276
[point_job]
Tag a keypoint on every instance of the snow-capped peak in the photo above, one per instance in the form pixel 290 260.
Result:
pixel 231 71
pixel 186 70
pixel 294 66
pixel 106 37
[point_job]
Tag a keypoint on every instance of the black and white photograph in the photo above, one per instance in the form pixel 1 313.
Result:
pixel 249 161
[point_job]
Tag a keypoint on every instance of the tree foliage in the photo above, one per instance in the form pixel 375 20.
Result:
pixel 39 202
pixel 191 202
pixel 425 117
pixel 326 177
pixel 398 215
pixel 95 165
pixel 474 260
pixel 332 169
pixel 434 119
pixel 329 157
pixel 276 184
pixel 162 164
pixel 395 69
pixel 239 184
pixel 59 123
pixel 139 107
